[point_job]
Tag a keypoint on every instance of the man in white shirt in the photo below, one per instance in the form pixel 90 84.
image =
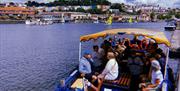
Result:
pixel 111 69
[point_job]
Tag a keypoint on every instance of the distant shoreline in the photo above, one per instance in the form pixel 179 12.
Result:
pixel 23 22
pixel 12 21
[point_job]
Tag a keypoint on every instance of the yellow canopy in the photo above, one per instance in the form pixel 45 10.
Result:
pixel 159 37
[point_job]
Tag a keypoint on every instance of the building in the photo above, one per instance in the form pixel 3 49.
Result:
pixel 103 7
pixel 56 17
pixel 19 11
pixel 79 15
pixel 144 17
pixel 150 8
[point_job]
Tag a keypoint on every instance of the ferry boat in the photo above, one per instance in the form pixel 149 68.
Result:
pixel 75 83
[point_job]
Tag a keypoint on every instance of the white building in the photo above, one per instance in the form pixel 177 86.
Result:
pixel 79 15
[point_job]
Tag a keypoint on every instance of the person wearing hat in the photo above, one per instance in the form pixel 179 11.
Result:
pixel 86 65
pixel 156 75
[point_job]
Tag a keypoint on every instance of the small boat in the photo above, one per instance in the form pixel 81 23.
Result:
pixel 96 21
pixel 74 83
pixel 38 22
pixel 130 20
pixel 109 21
pixel 30 22
pixel 170 27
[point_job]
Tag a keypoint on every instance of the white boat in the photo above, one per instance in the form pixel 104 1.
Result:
pixel 38 22
pixel 96 21
pixel 30 22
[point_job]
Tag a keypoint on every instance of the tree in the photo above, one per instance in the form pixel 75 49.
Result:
pixel 95 11
pixel 80 10
pixel 162 17
pixel 177 15
pixel 152 16
pixel 139 12
pixel 11 4
pixel 118 6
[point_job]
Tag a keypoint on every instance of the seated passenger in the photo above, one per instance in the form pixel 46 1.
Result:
pixel 97 56
pixel 144 44
pixel 127 43
pixel 135 63
pixel 156 76
pixel 136 41
pixel 86 65
pixel 109 73
pixel 112 42
pixel 111 70
pixel 162 62
pixel 150 45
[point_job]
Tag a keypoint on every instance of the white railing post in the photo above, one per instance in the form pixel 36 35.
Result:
pixel 164 85
pixel 79 51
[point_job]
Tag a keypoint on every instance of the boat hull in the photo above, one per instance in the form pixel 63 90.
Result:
pixel 170 28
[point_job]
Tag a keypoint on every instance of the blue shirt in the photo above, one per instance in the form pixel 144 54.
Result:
pixel 85 66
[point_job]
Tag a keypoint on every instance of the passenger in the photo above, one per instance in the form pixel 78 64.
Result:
pixel 150 45
pixel 162 62
pixel 112 42
pixel 144 44
pixel 98 54
pixel 120 48
pixel 156 76
pixel 136 41
pixel 135 47
pixel 86 65
pixel 109 73
pixel 111 70
pixel 106 45
pixel 127 43
pixel 135 65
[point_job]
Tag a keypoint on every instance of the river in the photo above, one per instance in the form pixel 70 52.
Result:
pixel 34 58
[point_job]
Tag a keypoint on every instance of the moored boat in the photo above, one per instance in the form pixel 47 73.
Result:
pixel 170 26
pixel 75 83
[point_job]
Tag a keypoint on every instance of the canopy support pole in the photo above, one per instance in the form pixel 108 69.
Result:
pixel 164 87
pixel 167 60
pixel 79 51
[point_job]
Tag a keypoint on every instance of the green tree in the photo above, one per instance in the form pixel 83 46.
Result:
pixel 177 15
pixel 161 17
pixel 118 6
pixel 152 16
pixel 95 11
pixel 80 10
pixel 139 12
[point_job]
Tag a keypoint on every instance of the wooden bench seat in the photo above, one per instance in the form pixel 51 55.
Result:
pixel 123 81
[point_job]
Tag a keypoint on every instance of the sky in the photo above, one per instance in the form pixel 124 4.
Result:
pixel 164 3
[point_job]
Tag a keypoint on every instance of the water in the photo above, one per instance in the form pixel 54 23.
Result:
pixel 34 58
